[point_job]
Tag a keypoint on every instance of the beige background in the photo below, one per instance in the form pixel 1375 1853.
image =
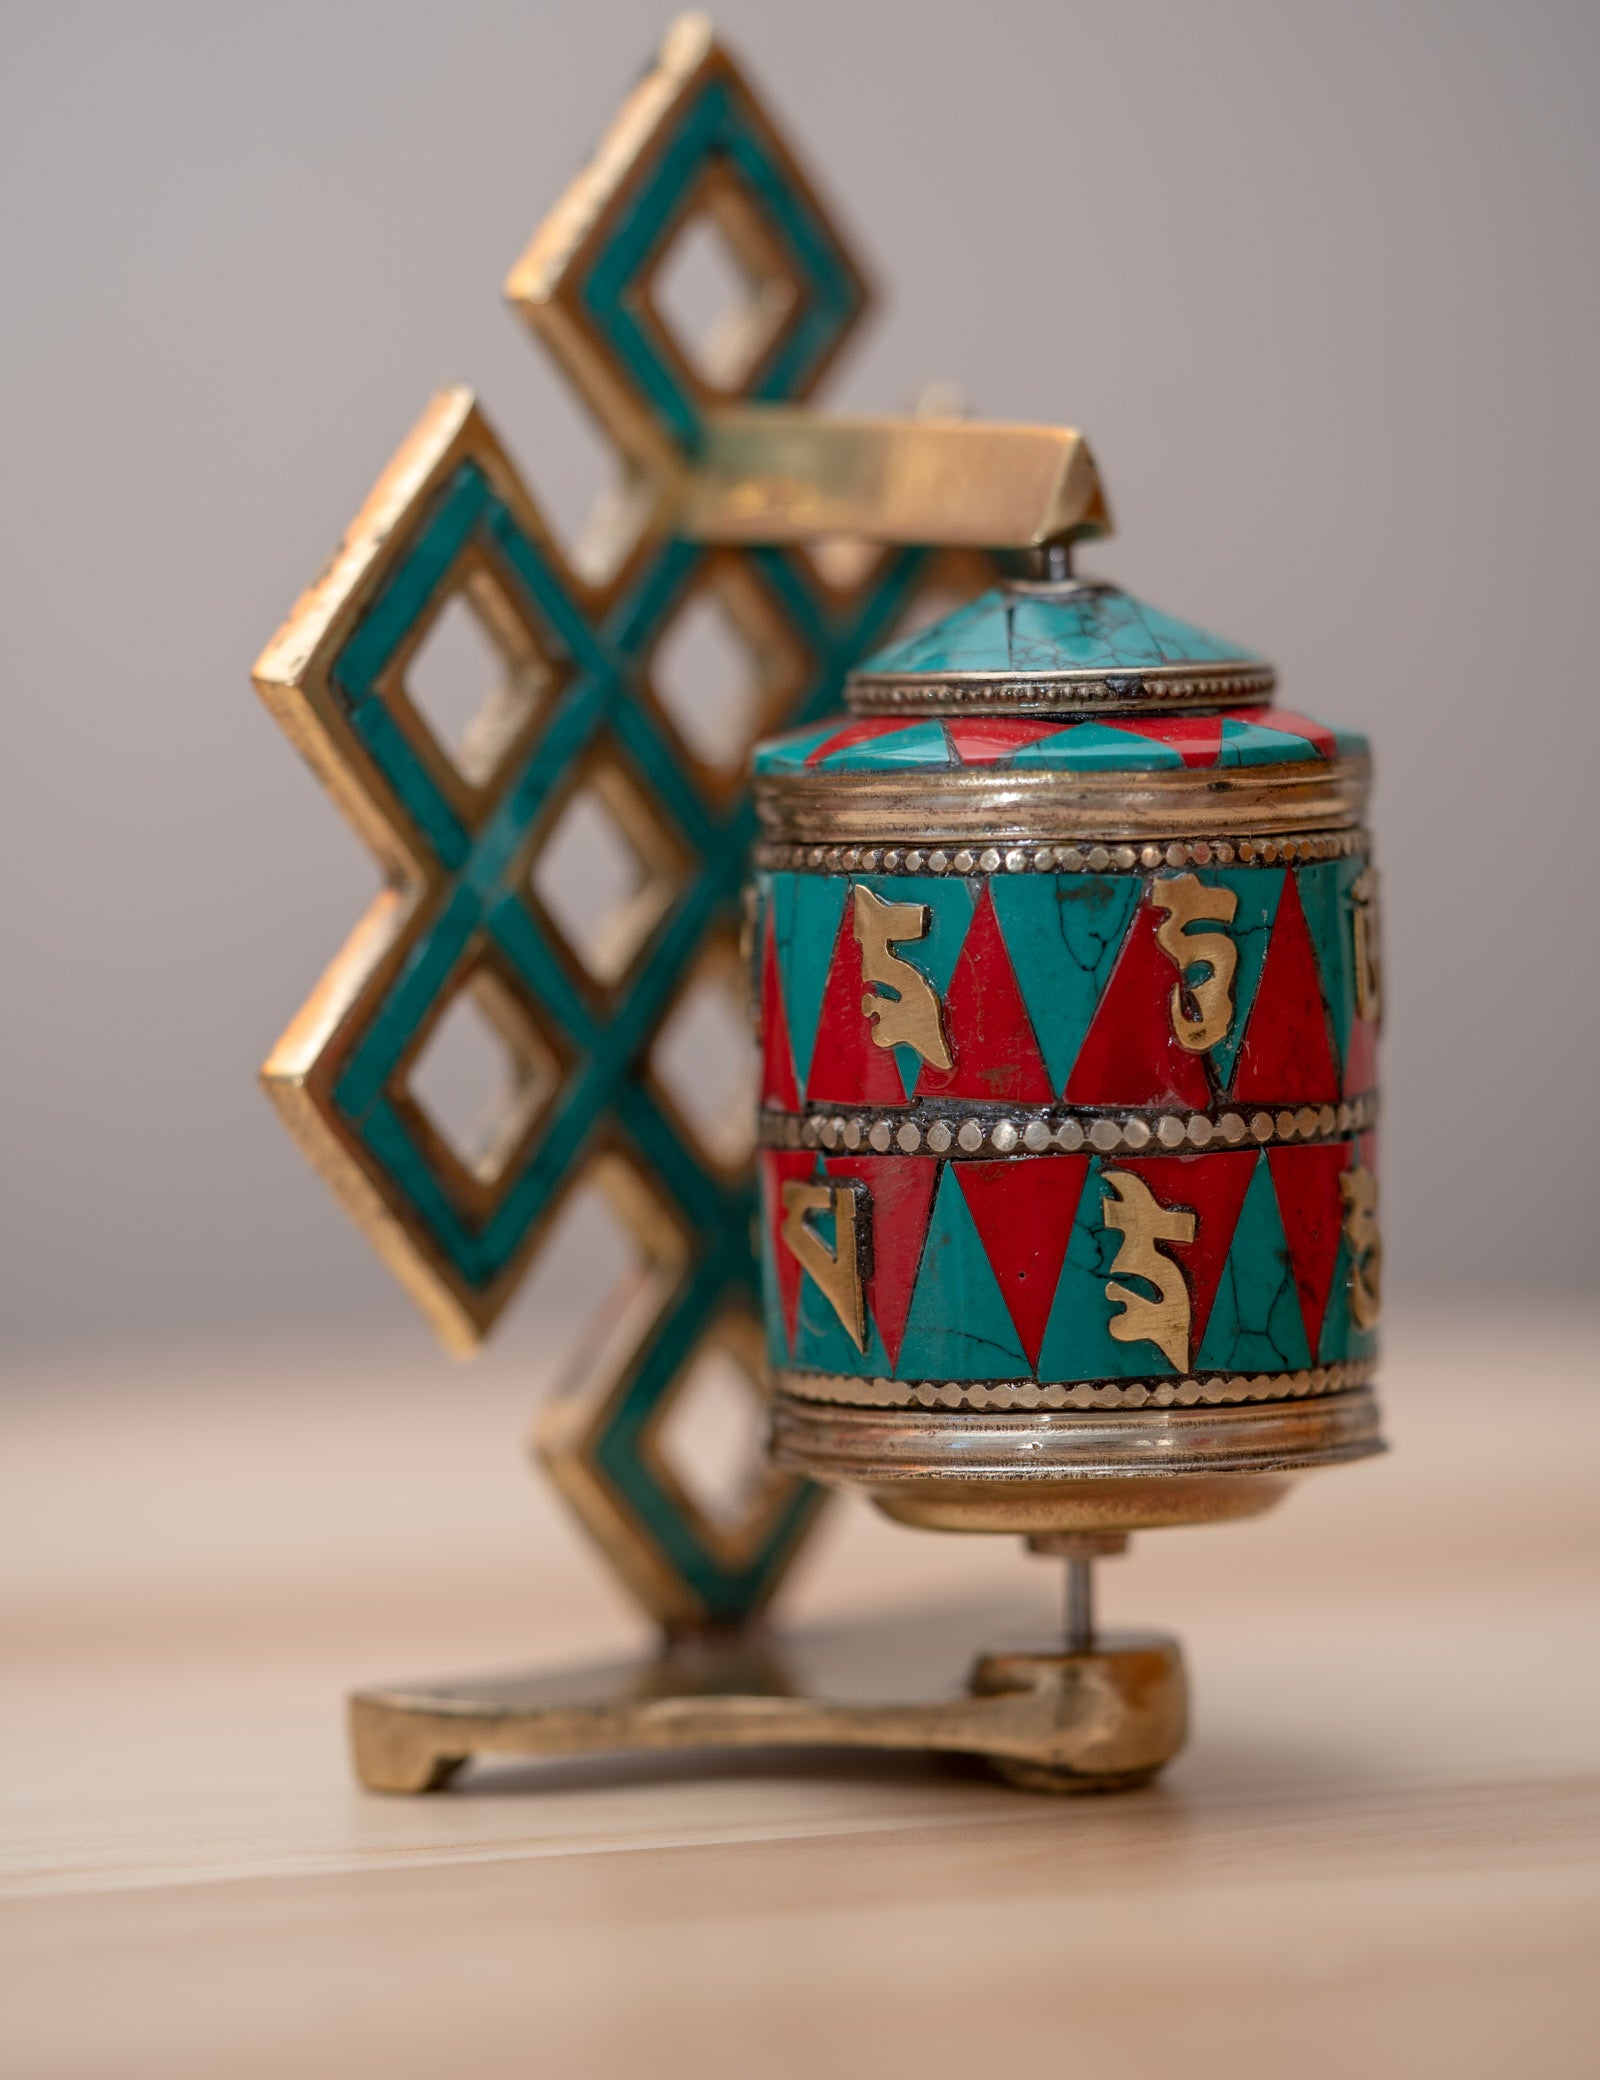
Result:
pixel 1320 282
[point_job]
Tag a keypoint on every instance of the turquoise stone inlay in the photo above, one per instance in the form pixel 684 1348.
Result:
pixel 1088 747
pixel 1325 894
pixel 1078 1343
pixel 1258 744
pixel 1255 1324
pixel 958 1327
pixel 1063 933
pixel 806 909
pixel 918 744
pixel 1340 1337
pixel 1081 628
pixel 828 292
pixel 1073 747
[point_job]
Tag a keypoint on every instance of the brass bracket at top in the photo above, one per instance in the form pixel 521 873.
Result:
pixel 776 474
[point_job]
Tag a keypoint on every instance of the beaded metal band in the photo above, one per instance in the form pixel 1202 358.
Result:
pixel 1214 1390
pixel 1060 692
pixel 979 1131
pixel 966 857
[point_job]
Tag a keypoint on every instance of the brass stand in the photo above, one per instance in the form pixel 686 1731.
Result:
pixel 1098 1714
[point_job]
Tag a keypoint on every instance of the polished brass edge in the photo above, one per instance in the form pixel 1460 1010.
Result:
pixel 770 473
pixel 1206 1390
pixel 1046 693
pixel 1000 810
pixel 980 1131
pixel 956 1447
pixel 973 856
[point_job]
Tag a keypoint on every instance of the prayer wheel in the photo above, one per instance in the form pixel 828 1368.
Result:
pixel 1065 948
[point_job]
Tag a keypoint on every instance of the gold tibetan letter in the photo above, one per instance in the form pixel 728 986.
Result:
pixel 838 1274
pixel 1187 900
pixel 911 1018
pixel 1144 1222
pixel 1360 1189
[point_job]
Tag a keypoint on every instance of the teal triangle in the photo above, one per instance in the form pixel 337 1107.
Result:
pixel 919 744
pixel 958 1327
pixel 789 754
pixel 1259 890
pixel 949 905
pixel 1089 746
pixel 1063 933
pixel 1256 1324
pixel 821 1341
pixel 805 923
pixel 1325 894
pixel 1341 1339
pixel 1252 744
pixel 1078 1343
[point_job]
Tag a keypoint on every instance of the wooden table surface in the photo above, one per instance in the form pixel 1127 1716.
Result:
pixel 1379 1854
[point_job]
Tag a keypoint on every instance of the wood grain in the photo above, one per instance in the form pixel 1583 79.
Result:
pixel 1379 1855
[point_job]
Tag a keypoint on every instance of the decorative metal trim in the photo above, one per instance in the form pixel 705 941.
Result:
pixel 1213 1390
pixel 1049 693
pixel 1047 805
pixel 968 856
pixel 977 1132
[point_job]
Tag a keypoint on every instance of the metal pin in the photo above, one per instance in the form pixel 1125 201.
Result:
pixel 1080 1605
pixel 1080 1550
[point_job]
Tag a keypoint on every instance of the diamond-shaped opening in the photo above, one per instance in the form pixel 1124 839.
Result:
pixel 483 1075
pixel 597 502
pixel 721 289
pixel 725 670
pixel 843 562
pixel 703 1060
pixel 477 676
pixel 712 1436
pixel 603 1270
pixel 605 870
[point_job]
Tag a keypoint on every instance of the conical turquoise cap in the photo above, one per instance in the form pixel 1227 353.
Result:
pixel 1074 628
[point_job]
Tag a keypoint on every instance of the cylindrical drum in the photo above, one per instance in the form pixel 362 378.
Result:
pixel 1065 952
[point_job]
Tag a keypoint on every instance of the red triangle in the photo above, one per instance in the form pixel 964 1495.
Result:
pixel 981 743
pixel 1287 1056
pixel 1196 738
pixel 779 1168
pixel 1024 1211
pixel 1312 1210
pixel 847 1065
pixel 902 1198
pixel 861 731
pixel 778 1084
pixel 1213 1187
pixel 1130 1054
pixel 994 1054
pixel 1361 1058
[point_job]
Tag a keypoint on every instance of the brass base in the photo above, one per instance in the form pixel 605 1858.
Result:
pixel 1102 1719
pixel 1041 1471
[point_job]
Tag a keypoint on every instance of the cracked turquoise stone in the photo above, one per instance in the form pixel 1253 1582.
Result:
pixel 1021 631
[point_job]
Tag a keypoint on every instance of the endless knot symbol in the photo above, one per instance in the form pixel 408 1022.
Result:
pixel 462 834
